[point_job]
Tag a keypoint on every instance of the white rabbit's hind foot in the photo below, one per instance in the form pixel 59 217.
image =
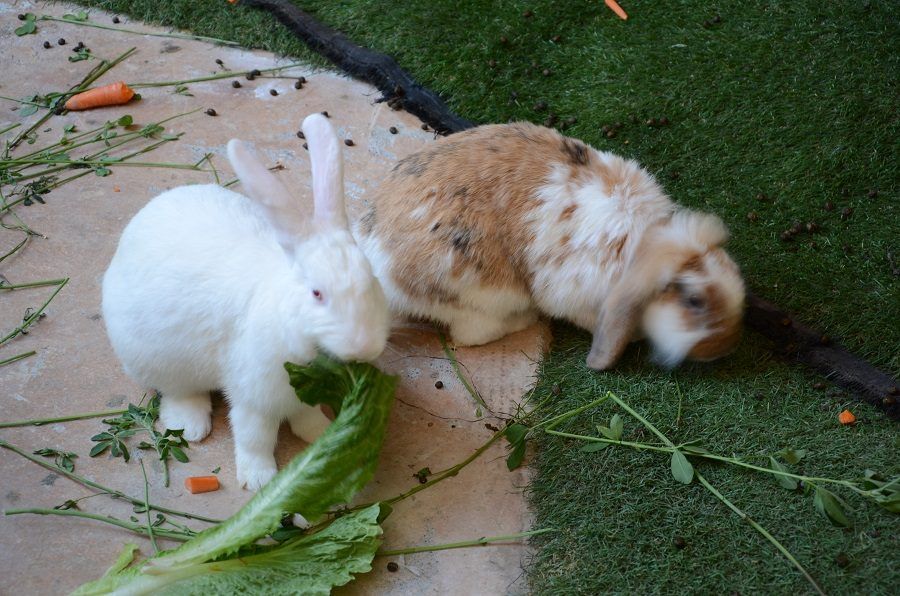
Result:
pixel 309 423
pixel 191 413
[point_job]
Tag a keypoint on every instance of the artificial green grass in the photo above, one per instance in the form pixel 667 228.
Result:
pixel 794 100
pixel 620 511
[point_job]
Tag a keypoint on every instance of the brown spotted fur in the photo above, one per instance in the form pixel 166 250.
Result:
pixel 488 238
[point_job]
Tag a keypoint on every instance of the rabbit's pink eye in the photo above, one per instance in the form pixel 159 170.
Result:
pixel 317 295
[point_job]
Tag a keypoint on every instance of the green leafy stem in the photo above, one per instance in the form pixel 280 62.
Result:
pixel 81 19
pixel 117 494
pixel 885 493
pixel 141 420
pixel 31 317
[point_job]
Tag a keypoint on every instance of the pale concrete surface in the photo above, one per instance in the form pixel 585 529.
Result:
pixel 75 371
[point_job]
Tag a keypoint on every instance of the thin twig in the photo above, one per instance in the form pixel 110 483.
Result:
pixel 43 421
pixel 762 531
pixel 147 507
pixel 10 127
pixel 449 472
pixel 464 544
pixel 34 316
pixel 215 77
pixel 110 491
pixel 34 284
pixel 215 40
pixel 16 248
pixel 16 358
pixel 774 541
pixel 452 357
pixel 161 532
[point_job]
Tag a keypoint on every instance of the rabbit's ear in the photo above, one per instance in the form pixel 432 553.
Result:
pixel 654 266
pixel 327 172
pixel 265 188
pixel 258 182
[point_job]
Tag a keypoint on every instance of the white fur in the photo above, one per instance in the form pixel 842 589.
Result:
pixel 665 329
pixel 575 289
pixel 482 314
pixel 208 290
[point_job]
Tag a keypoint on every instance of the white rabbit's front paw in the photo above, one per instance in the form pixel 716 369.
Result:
pixel 189 413
pixel 254 472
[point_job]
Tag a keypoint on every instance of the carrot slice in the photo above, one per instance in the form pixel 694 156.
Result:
pixel 614 6
pixel 201 484
pixel 108 95
pixel 846 417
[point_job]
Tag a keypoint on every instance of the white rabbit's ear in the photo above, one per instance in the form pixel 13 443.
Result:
pixel 327 172
pixel 258 182
pixel 265 188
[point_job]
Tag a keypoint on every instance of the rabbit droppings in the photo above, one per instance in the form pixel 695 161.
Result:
pixel 486 227
pixel 209 289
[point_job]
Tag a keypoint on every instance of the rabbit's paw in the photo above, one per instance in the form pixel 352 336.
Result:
pixel 254 472
pixel 189 413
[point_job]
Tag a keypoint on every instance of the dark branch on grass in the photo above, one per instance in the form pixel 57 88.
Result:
pixel 396 85
pixel 797 341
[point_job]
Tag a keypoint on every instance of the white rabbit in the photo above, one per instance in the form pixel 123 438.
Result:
pixel 487 227
pixel 209 289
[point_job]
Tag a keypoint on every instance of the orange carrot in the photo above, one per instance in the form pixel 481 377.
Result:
pixel 108 95
pixel 614 6
pixel 201 484
pixel 846 417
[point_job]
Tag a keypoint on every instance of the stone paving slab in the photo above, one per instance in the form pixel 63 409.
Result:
pixel 75 370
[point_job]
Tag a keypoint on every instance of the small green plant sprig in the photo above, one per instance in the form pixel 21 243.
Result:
pixel 63 459
pixel 872 486
pixel 136 420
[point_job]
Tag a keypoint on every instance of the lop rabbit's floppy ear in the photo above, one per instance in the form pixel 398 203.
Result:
pixel 327 172
pixel 266 189
pixel 655 264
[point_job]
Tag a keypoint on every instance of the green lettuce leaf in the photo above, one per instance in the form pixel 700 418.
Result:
pixel 330 471
pixel 307 565
pixel 321 382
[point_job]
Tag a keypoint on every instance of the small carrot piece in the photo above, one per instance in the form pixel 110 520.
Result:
pixel 201 484
pixel 108 95
pixel 614 6
pixel 846 417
